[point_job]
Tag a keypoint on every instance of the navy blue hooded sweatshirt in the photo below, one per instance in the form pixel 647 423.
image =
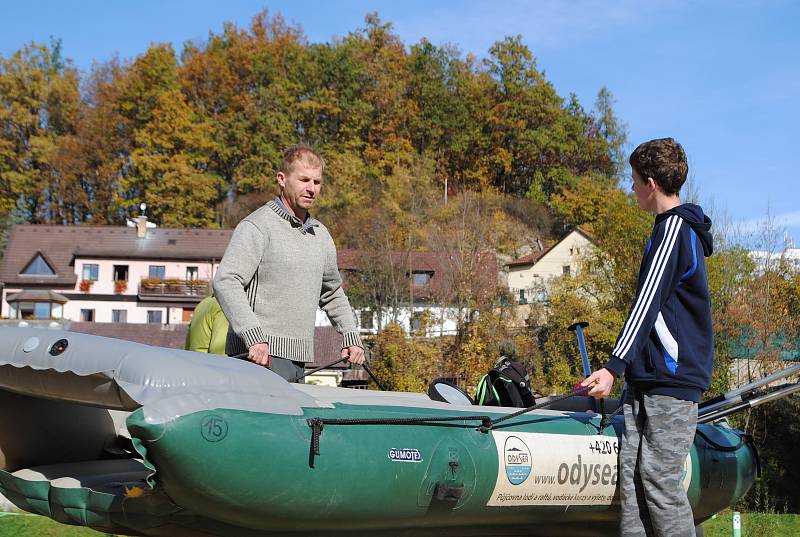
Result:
pixel 666 346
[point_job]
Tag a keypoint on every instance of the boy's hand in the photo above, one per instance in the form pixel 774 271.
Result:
pixel 603 381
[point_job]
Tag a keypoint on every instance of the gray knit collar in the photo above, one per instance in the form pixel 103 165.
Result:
pixel 280 210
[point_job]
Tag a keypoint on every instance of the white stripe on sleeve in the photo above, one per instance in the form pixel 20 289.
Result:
pixel 647 292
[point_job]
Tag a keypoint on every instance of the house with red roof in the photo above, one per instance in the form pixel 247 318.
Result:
pixel 108 273
pixel 151 275
pixel 530 276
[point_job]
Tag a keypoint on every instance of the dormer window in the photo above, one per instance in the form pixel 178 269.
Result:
pixel 39 267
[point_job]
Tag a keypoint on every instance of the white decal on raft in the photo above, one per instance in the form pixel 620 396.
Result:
pixel 517 459
pixel 554 469
pixel 405 455
pixel 559 469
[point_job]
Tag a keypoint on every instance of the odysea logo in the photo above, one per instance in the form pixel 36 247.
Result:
pixel 517 459
pixel 405 455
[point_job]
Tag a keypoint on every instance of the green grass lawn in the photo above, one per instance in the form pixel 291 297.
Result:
pixel 754 525
pixel 14 525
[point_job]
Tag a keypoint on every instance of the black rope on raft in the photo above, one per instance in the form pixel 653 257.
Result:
pixel 487 423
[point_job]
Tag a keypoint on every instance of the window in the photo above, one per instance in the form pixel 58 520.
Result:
pixel 41 310
pixel 119 316
pixel 366 320
pixel 35 310
pixel 157 271
pixel 39 267
pixel 543 295
pixel 522 299
pixel 416 320
pixel 565 270
pixel 90 271
pixel 191 273
pixel 26 310
pixel 87 315
pixel 154 316
pixel 121 273
pixel 421 278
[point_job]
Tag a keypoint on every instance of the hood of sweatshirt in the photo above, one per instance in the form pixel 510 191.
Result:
pixel 694 216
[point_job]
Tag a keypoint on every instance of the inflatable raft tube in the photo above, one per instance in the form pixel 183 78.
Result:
pixel 139 440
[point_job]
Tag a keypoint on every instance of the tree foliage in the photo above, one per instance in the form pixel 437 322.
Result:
pixel 90 150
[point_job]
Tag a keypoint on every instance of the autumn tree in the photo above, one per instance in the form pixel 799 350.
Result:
pixel 171 159
pixel 604 287
pixel 39 105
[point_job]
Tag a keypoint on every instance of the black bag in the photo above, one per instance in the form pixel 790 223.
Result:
pixel 506 384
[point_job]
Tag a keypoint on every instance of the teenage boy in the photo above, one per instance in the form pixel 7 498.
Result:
pixel 665 349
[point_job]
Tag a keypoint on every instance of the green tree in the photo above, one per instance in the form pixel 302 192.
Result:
pixel 39 105
pixel 171 160
pixel 612 130
pixel 540 145
pixel 105 142
pixel 604 287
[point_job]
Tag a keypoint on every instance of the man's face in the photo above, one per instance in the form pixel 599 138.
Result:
pixel 300 187
pixel 643 191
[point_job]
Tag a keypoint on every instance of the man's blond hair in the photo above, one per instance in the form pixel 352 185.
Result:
pixel 301 153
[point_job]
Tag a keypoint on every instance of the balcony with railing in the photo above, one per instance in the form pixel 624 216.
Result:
pixel 172 288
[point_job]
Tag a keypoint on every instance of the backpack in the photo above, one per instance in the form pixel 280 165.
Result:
pixel 506 384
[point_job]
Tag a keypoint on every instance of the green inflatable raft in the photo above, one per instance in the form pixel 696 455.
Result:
pixel 137 440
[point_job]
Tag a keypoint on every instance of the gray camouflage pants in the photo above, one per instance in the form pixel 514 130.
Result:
pixel 659 431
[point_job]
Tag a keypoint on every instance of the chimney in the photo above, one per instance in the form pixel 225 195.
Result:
pixel 539 244
pixel 141 227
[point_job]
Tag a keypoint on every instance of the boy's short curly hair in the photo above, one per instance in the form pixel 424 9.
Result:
pixel 664 160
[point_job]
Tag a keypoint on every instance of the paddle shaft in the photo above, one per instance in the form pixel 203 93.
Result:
pixel 244 355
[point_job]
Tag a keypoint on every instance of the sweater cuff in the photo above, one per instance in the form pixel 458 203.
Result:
pixel 253 336
pixel 616 366
pixel 351 339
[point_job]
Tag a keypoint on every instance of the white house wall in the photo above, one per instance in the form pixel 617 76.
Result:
pixel 566 253
pixel 136 312
pixel 442 321
pixel 4 307
pixel 136 271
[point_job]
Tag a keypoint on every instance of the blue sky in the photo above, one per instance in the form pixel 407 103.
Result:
pixel 722 77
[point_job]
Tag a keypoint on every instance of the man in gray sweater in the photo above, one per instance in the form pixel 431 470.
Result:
pixel 279 266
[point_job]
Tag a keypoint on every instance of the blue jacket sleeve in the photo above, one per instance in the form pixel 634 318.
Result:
pixel 658 278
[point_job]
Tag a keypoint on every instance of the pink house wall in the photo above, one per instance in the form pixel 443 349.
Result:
pixel 137 269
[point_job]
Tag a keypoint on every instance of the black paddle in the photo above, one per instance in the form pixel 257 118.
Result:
pixel 244 355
